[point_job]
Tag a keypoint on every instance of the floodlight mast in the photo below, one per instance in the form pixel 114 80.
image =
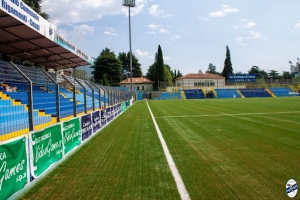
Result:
pixel 130 3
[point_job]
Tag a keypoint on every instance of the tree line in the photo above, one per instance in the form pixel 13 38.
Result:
pixel 260 73
pixel 110 69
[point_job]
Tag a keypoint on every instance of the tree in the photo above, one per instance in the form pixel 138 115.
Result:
pixel 273 74
pixel 263 74
pixel 227 64
pixel 105 80
pixel 160 65
pixel 179 74
pixel 176 75
pixel 156 70
pixel 36 6
pixel 107 63
pixel 125 61
pixel 151 74
pixel 254 70
pixel 211 69
pixel 168 76
pixel 286 75
pixel 258 72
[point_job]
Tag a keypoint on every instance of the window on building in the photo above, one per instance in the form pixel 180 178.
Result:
pixel 138 88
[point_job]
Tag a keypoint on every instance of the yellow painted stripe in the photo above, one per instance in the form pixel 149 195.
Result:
pixel 14 134
pixel 66 118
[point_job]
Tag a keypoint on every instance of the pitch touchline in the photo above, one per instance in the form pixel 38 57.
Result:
pixel 179 183
pixel 217 115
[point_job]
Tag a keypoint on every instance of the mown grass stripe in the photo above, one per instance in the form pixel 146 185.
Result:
pixel 220 115
pixel 180 185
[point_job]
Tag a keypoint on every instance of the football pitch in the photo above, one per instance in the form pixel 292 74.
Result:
pixel 222 148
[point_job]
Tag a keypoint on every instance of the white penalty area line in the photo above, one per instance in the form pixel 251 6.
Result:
pixel 179 183
pixel 224 114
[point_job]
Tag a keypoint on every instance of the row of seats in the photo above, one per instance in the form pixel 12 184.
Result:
pixel 227 93
pixel 194 94
pixel 167 95
pixel 282 92
pixel 254 92
pixel 14 87
pixel 246 92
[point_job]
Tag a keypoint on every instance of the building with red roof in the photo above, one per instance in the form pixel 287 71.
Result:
pixel 196 80
pixel 138 84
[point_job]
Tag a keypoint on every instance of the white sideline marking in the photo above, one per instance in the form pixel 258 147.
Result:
pixel 218 115
pixel 179 183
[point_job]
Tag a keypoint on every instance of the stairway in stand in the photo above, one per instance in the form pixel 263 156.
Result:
pixel 270 92
pixel 183 95
pixel 240 93
pixel 204 92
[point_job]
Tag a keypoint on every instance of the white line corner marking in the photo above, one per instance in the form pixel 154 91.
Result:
pixel 180 185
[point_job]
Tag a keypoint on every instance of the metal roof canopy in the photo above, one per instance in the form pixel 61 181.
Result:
pixel 20 41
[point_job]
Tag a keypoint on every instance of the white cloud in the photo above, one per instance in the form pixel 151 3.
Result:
pixel 70 12
pixel 77 33
pixel 155 11
pixel 248 23
pixel 83 29
pixel 151 32
pixel 297 26
pixel 174 37
pixel 163 30
pixel 154 28
pixel 239 38
pixel 252 36
pixel 110 31
pixel 138 52
pixel 255 35
pixel 166 58
pixel 226 9
pixel 203 18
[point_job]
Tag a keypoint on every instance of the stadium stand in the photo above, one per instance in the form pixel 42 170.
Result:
pixel 167 95
pixel 51 97
pixel 194 94
pixel 254 92
pixel 283 92
pixel 227 93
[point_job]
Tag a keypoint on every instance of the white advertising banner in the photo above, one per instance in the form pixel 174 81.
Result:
pixel 22 12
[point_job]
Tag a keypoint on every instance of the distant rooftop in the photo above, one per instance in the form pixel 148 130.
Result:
pixel 200 76
pixel 135 80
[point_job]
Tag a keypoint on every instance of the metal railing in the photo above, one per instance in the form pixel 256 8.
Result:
pixel 33 99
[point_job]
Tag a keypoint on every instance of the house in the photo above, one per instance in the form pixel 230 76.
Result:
pixel 141 84
pixel 198 80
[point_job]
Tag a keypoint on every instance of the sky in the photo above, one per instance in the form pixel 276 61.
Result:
pixel 191 33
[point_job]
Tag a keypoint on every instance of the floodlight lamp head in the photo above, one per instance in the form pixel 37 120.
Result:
pixel 129 3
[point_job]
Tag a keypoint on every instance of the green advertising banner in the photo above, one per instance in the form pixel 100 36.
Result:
pixel 14 170
pixel 71 134
pixel 123 106
pixel 46 149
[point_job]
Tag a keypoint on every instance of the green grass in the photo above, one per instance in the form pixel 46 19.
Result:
pixel 223 149
pixel 124 161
